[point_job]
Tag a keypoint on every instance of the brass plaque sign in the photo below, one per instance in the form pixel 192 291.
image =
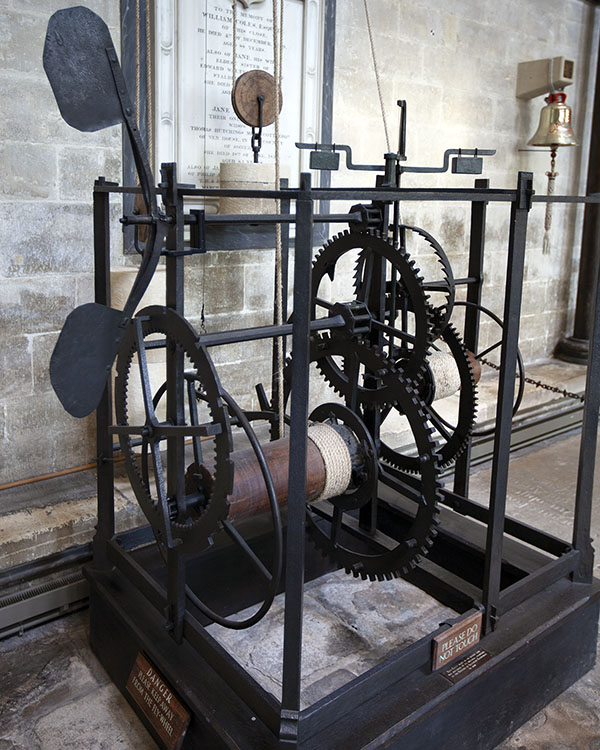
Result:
pixel 456 641
pixel 466 665
pixel 162 709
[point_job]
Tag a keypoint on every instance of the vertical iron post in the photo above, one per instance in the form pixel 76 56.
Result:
pixel 175 394
pixel 174 300
pixel 587 451
pixel 294 574
pixel 508 361
pixel 105 527
pixel 471 328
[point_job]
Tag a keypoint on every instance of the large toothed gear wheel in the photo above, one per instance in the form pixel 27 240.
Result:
pixel 453 438
pixel 437 279
pixel 190 518
pixel 412 326
pixel 337 535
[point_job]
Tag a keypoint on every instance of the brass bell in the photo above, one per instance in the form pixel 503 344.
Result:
pixel 555 123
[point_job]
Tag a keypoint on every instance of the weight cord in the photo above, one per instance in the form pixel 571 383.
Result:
pixel 277 77
pixel 234 46
pixel 149 95
pixel 277 70
pixel 376 69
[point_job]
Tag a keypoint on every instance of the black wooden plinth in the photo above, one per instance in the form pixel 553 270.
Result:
pixel 539 649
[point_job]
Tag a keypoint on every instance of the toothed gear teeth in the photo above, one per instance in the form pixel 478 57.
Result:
pixel 195 532
pixel 417 541
pixel 372 244
pixel 448 450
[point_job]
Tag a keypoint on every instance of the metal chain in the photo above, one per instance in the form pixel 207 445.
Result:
pixel 385 127
pixel 539 383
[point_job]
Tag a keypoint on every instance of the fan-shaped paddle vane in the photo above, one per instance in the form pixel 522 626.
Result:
pixel 81 63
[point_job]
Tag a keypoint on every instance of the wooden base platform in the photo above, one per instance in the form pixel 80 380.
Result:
pixel 538 649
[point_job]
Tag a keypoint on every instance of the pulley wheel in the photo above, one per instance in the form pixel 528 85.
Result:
pixel 244 97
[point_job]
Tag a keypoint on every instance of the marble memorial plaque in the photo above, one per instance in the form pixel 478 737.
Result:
pixel 196 123
pixel 163 710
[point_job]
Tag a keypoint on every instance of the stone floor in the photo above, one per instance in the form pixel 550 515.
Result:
pixel 54 694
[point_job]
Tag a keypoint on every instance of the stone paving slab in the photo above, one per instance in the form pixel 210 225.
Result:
pixel 350 625
pixel 55 694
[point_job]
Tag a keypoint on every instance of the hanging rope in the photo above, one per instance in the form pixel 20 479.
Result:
pixel 138 66
pixel 234 46
pixel 375 68
pixel 149 82
pixel 277 75
pixel 551 175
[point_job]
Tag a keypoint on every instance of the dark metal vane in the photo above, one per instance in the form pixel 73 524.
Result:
pixel 81 63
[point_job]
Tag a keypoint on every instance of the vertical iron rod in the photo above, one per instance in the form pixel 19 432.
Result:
pixel 294 577
pixel 510 339
pixel 175 397
pixel 462 467
pixel 174 300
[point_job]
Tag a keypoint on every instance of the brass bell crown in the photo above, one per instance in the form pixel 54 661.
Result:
pixel 555 123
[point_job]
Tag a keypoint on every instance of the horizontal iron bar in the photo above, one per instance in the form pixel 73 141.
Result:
pixel 252 219
pixel 532 584
pixel 265 332
pixel 409 486
pixel 442 284
pixel 414 194
pixel 387 194
pixel 274 218
pixel 167 430
pixel 251 334
pixel 540 539
pixel 592 198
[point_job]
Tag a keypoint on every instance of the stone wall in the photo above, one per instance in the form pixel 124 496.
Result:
pixel 46 240
pixel 456 65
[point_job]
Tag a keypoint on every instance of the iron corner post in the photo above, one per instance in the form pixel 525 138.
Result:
pixel 295 553
pixel 508 361
pixel 587 452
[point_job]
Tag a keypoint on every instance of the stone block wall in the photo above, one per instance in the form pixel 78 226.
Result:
pixel 455 63
pixel 46 251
